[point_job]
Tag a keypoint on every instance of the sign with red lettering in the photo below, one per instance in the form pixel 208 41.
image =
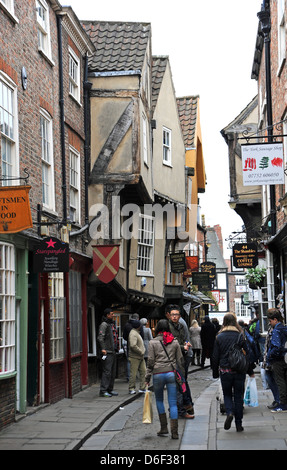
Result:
pixel 106 262
pixel 262 164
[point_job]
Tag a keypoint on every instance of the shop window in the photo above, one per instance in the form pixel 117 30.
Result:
pixel 57 316
pixel 7 309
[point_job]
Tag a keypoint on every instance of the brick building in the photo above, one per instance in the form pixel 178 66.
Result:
pixel 42 135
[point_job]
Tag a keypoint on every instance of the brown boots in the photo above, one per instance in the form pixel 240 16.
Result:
pixel 163 426
pixel 174 428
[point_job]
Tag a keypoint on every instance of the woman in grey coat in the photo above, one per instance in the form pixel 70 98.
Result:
pixel 195 340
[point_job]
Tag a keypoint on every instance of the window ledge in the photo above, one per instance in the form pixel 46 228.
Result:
pixel 281 65
pixel 9 13
pixel 46 57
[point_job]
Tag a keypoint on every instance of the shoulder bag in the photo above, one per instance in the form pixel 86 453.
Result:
pixel 237 357
pixel 180 380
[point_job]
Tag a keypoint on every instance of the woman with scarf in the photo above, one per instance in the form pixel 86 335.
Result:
pixel 161 367
pixel 232 382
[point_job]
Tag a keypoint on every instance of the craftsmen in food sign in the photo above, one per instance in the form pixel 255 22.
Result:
pixel 15 213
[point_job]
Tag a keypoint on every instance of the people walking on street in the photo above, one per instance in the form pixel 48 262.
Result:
pixel 207 335
pixel 127 328
pixel 177 329
pixel 136 357
pixel 268 374
pixel 276 354
pixel 195 340
pixel 109 345
pixel 147 336
pixel 232 382
pixel 164 355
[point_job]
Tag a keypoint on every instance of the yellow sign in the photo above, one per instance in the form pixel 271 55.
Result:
pixel 15 212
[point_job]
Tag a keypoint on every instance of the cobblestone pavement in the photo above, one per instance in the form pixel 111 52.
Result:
pixel 125 431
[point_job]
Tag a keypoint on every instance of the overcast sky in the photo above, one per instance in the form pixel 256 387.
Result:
pixel 210 45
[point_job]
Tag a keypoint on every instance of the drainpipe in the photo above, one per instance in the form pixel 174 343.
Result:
pixel 265 20
pixel 87 88
pixel 62 119
pixel 64 190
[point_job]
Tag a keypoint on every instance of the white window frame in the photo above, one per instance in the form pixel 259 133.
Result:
pixel 48 193
pixel 9 129
pixel 145 256
pixel 8 309
pixel 145 139
pixel 43 26
pixel 74 75
pixel 281 35
pixel 75 185
pixel 57 317
pixel 240 309
pixel 8 7
pixel 166 146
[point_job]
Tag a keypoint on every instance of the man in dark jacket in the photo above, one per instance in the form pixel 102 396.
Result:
pixel 276 356
pixel 109 344
pixel 207 335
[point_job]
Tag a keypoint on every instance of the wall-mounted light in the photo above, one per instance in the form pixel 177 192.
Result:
pixel 24 78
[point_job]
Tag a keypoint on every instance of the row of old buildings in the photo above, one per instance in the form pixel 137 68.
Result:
pixel 262 206
pixel 92 130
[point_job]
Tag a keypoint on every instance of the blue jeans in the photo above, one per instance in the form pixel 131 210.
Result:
pixel 233 393
pixel 269 375
pixel 159 381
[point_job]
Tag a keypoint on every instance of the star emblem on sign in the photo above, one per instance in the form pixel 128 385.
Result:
pixel 50 243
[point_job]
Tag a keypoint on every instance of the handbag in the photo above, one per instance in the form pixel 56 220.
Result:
pixel 250 394
pixel 147 408
pixel 180 380
pixel 237 358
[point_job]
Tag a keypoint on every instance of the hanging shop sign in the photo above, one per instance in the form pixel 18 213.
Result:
pixel 106 262
pixel 51 256
pixel 191 265
pixel 200 279
pixel 209 267
pixel 262 164
pixel 245 255
pixel 15 212
pixel 177 262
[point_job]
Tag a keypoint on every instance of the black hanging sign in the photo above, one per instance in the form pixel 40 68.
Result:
pixel 245 255
pixel 209 267
pixel 200 279
pixel 51 256
pixel 177 262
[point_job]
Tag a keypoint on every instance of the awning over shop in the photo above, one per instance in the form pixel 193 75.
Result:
pixel 197 299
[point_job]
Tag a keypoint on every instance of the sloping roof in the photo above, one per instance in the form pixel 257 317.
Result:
pixel 159 64
pixel 237 125
pixel 214 252
pixel 187 110
pixel 119 46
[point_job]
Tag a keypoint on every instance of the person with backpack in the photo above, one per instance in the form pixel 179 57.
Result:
pixel 276 356
pixel 232 381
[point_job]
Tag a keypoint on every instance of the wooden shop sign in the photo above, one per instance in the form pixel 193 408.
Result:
pixel 245 255
pixel 15 212
pixel 177 262
pixel 209 267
